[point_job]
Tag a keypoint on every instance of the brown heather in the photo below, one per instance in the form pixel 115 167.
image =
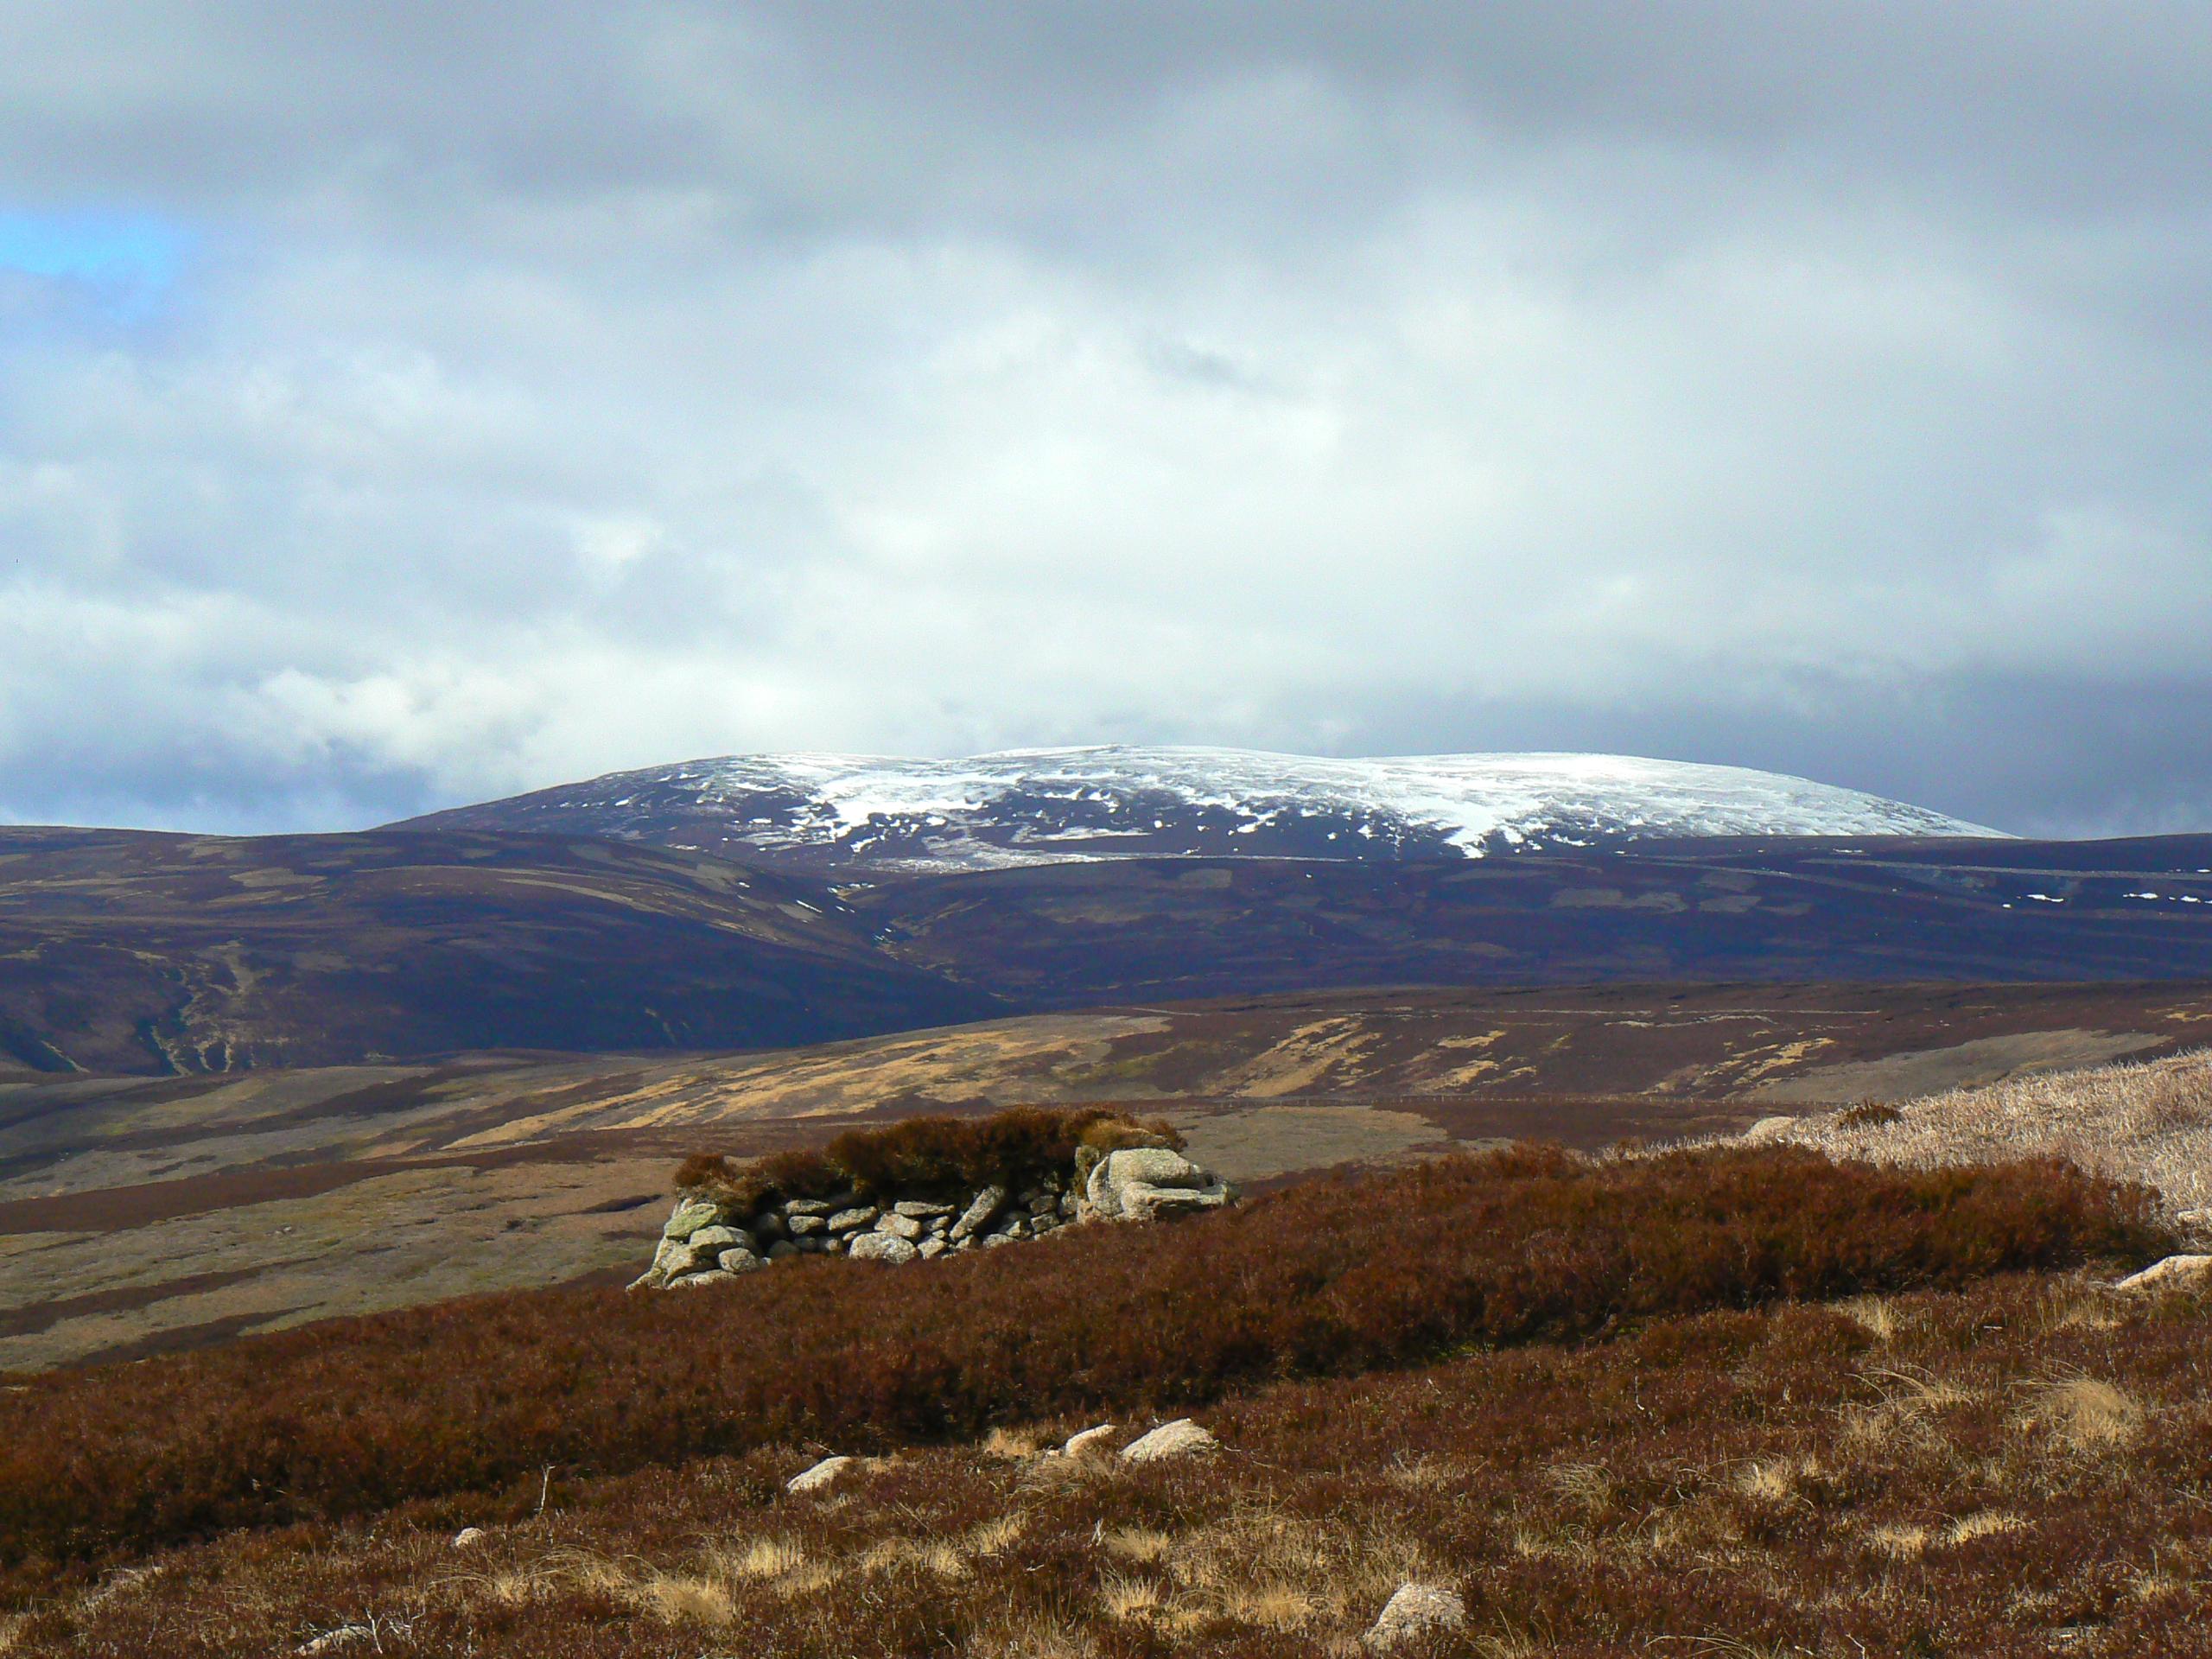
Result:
pixel 473 1400
pixel 922 1153
pixel 2022 1468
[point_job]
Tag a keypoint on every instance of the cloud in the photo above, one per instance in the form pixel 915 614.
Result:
pixel 510 396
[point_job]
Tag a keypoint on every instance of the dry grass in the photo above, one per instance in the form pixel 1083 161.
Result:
pixel 2150 1122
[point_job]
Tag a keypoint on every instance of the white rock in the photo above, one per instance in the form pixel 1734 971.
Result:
pixel 993 1241
pixel 899 1226
pixel 1141 1201
pixel 1089 1442
pixel 881 1247
pixel 1180 1438
pixel 817 1207
pixel 801 1226
pixel 739 1260
pixel 921 1208
pixel 820 1476
pixel 929 1249
pixel 2173 1272
pixel 466 1537
pixel 699 1281
pixel 1154 1166
pixel 851 1220
pixel 1416 1611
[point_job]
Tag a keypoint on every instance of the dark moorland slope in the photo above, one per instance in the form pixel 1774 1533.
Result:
pixel 1077 935
pixel 133 953
pixel 126 952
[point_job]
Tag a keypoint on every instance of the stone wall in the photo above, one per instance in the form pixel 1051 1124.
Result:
pixel 713 1238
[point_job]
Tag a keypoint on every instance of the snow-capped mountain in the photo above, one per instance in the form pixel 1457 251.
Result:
pixel 858 815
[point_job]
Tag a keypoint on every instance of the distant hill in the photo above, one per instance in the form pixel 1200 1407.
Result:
pixel 129 952
pixel 872 817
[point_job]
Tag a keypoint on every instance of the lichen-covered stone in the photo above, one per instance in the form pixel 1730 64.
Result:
pixel 689 1216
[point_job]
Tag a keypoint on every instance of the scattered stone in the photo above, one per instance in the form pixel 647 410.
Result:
pixel 1415 1612
pixel 898 1226
pixel 466 1537
pixel 1070 1204
pixel 1090 1442
pixel 820 1475
pixel 801 1226
pixel 808 1246
pixel 2169 1275
pixel 929 1249
pixel 992 1241
pixel 710 1240
pixel 989 1203
pixel 782 1250
pixel 817 1207
pixel 768 1225
pixel 881 1247
pixel 833 1247
pixel 697 1280
pixel 740 1260
pixel 1180 1438
pixel 921 1208
pixel 851 1220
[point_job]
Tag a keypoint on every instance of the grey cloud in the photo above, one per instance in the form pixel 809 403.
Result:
pixel 1815 385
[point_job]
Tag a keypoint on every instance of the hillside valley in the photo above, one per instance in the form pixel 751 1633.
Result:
pixel 139 1214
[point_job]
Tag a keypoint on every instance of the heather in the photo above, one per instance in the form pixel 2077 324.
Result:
pixel 2016 1469
pixel 476 1400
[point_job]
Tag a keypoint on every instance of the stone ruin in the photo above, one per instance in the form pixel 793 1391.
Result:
pixel 713 1238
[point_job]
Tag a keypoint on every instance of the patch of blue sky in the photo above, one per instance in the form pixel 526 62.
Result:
pixel 126 264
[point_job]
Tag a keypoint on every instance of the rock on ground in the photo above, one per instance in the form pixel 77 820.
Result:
pixel 1089 1442
pixel 1180 1438
pixel 2171 1274
pixel 820 1475
pixel 1414 1612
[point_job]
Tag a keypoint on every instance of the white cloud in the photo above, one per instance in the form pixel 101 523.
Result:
pixel 681 379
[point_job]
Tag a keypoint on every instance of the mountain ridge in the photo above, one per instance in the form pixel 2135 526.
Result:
pixel 876 817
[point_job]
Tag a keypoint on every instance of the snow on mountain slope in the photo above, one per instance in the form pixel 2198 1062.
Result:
pixel 862 814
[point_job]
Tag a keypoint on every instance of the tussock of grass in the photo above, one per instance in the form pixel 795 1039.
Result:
pixel 2150 1122
pixel 1332 1278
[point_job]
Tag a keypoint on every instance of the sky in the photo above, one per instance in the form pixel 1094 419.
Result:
pixel 406 404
